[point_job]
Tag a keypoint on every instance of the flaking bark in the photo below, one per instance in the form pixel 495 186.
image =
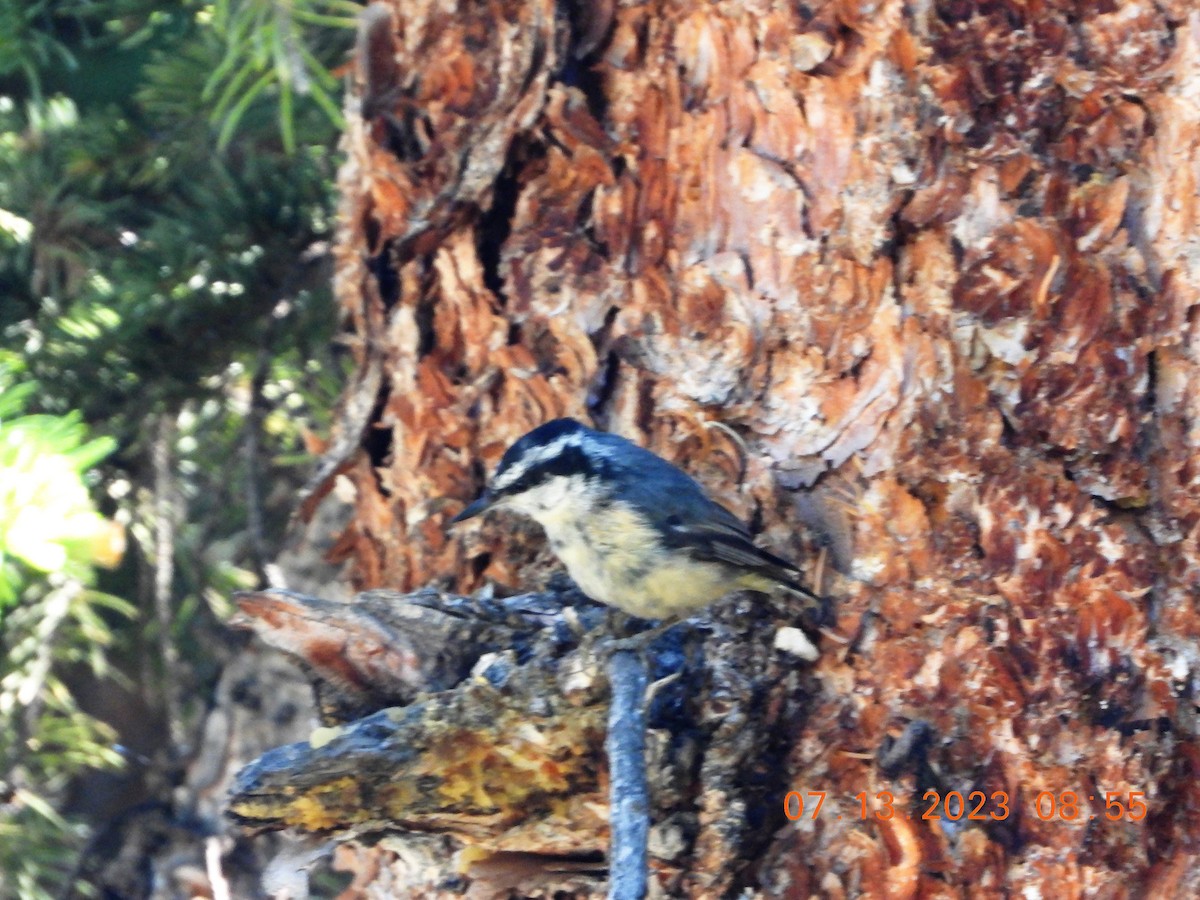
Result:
pixel 938 260
pixel 509 754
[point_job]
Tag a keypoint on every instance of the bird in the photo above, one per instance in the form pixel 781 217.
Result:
pixel 634 531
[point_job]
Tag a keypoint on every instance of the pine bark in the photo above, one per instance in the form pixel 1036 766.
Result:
pixel 911 287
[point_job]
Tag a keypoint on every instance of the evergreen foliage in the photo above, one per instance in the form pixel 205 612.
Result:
pixel 166 204
pixel 51 538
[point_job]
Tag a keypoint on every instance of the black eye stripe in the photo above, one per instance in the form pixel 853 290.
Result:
pixel 571 461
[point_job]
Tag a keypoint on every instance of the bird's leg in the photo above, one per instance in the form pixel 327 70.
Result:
pixel 642 639
pixel 617 622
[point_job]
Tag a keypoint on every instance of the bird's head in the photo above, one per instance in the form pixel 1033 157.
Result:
pixel 550 468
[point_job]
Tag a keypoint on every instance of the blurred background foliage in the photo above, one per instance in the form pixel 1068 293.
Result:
pixel 167 365
pixel 51 617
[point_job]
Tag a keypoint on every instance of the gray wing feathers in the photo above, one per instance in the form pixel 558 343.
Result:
pixel 689 520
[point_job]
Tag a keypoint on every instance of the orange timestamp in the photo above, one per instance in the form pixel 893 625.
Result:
pixel 978 806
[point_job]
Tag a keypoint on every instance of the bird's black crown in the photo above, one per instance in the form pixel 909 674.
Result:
pixel 558 447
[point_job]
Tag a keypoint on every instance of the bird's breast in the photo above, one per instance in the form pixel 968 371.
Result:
pixel 616 557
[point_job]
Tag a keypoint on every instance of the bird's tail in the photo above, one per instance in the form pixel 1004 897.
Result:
pixel 822 606
pixel 775 573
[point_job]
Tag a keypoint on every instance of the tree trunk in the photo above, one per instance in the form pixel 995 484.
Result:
pixel 913 283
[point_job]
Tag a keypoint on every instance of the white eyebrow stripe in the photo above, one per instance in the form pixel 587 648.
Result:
pixel 535 456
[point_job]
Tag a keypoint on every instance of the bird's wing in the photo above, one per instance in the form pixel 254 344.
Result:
pixel 692 522
pixel 723 538
pixel 720 545
pixel 717 535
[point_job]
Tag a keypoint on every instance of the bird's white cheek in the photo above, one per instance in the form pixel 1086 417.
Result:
pixel 549 501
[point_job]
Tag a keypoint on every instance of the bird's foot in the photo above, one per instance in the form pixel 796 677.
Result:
pixel 638 642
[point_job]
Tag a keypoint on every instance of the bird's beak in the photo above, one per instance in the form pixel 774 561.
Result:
pixel 483 504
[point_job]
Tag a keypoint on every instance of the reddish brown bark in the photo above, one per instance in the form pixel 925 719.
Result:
pixel 944 253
